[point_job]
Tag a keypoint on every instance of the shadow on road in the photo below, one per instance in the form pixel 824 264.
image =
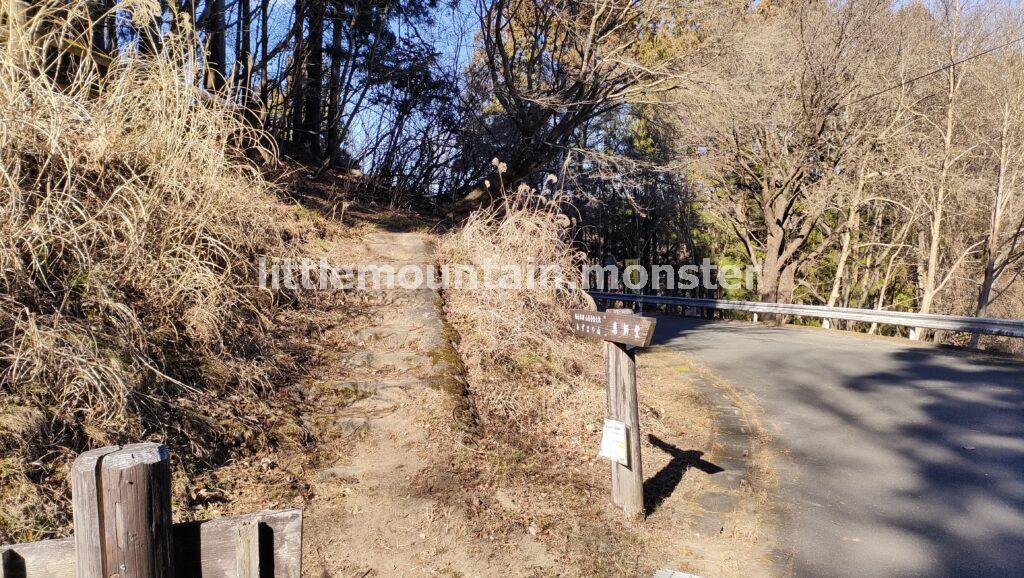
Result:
pixel 966 453
pixel 671 328
pixel 915 451
pixel 660 486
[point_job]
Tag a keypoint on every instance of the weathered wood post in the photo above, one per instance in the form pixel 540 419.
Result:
pixel 623 332
pixel 7 564
pixel 627 479
pixel 247 554
pixel 122 512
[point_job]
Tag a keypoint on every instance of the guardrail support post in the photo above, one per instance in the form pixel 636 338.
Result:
pixel 122 512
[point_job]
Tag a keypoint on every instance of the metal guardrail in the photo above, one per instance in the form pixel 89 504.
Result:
pixel 982 325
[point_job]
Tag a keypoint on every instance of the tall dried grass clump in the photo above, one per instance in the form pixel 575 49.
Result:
pixel 526 371
pixel 130 223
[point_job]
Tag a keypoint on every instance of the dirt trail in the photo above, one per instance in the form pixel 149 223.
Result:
pixel 368 516
pixel 381 500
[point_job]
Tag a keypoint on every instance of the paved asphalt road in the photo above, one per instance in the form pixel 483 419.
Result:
pixel 904 460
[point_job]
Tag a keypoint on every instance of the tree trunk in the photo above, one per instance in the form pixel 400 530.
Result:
pixel 930 284
pixel 769 281
pixel 216 63
pixel 334 93
pixel 313 118
pixel 844 256
pixel 995 226
pixel 244 55
pixel 852 221
pixel 98 11
pixel 770 273
pixel 264 49
pixel 880 303
pixel 298 59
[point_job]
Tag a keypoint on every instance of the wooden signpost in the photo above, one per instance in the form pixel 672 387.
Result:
pixel 623 332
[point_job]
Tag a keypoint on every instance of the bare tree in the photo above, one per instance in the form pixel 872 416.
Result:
pixel 772 140
pixel 944 133
pixel 552 66
pixel 1004 244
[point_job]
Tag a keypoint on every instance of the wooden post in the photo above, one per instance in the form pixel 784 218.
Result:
pixel 247 554
pixel 627 481
pixel 86 512
pixel 7 564
pixel 122 512
pixel 620 442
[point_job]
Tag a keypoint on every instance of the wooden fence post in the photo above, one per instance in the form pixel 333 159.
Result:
pixel 85 497
pixel 627 481
pixel 122 512
pixel 247 554
pixel 6 564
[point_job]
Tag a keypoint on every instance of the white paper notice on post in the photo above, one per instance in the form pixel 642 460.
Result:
pixel 614 446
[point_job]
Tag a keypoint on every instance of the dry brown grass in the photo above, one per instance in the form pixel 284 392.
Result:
pixel 536 393
pixel 522 359
pixel 130 223
pixel 530 466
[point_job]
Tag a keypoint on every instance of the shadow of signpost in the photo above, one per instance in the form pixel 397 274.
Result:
pixel 660 486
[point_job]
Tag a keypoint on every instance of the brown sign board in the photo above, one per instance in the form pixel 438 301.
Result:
pixel 624 328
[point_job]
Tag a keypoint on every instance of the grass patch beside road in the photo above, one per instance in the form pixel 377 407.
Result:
pixel 538 395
